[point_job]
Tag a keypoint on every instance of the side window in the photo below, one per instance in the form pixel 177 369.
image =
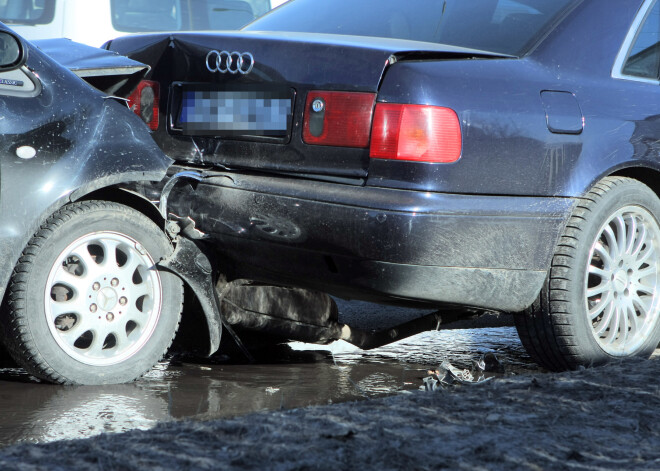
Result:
pixel 136 16
pixel 644 56
pixel 27 12
pixel 224 14
pixel 228 14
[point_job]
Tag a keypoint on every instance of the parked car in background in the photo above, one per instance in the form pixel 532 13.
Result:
pixel 94 22
pixel 463 154
pixel 82 300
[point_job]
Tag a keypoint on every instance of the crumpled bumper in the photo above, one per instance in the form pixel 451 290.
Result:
pixel 379 244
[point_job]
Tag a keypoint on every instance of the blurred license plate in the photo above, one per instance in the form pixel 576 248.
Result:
pixel 235 112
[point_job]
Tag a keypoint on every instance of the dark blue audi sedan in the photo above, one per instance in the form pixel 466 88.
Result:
pixel 470 155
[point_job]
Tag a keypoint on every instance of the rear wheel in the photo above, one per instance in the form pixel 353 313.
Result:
pixel 86 303
pixel 601 299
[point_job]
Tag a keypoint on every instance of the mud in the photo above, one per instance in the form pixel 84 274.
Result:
pixel 284 378
pixel 595 419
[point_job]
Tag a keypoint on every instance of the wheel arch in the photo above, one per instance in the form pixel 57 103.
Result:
pixel 551 329
pixel 190 318
pixel 647 175
pixel 117 194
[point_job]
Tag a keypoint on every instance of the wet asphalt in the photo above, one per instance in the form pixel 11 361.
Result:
pixel 283 377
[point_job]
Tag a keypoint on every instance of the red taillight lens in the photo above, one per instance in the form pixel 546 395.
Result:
pixel 144 101
pixel 415 132
pixel 340 119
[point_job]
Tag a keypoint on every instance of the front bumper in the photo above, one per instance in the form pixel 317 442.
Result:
pixel 379 244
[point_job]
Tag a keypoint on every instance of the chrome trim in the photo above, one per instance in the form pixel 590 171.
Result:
pixel 170 114
pixel 23 91
pixel 233 62
pixel 617 68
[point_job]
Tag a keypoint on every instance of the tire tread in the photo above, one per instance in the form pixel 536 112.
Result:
pixel 545 328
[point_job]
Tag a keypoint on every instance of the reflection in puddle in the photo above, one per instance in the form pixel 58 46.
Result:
pixel 288 377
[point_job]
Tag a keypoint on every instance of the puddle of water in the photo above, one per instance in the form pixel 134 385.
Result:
pixel 460 347
pixel 285 378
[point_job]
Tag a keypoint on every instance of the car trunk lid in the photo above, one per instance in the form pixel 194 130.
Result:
pixel 273 77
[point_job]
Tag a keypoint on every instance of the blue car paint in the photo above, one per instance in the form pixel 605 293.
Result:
pixel 479 232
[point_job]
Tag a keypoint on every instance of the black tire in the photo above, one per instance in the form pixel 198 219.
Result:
pixel 591 276
pixel 74 320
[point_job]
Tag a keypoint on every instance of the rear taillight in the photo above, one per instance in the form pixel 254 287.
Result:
pixel 144 102
pixel 340 119
pixel 415 132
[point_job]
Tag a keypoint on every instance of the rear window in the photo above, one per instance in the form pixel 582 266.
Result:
pixel 644 57
pixel 27 12
pixel 133 16
pixel 503 26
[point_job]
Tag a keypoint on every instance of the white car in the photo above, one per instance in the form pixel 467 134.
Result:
pixel 94 22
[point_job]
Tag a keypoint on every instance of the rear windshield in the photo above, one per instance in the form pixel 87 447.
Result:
pixel 133 16
pixel 27 12
pixel 503 26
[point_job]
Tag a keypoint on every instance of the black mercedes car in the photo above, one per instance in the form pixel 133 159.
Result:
pixel 82 300
pixel 470 155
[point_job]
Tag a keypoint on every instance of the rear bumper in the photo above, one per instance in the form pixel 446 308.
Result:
pixel 488 252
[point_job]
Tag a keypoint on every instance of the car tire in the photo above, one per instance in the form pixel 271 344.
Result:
pixel 601 299
pixel 85 302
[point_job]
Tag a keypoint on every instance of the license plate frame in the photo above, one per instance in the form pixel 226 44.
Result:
pixel 254 111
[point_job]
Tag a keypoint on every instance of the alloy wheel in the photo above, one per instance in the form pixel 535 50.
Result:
pixel 103 298
pixel 622 281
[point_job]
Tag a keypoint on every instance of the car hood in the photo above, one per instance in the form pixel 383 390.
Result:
pixel 107 71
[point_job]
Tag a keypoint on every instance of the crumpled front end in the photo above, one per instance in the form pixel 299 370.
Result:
pixel 58 142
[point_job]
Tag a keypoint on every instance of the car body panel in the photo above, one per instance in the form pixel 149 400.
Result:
pixel 85 60
pixel 81 141
pixel 340 63
pixel 343 238
pixel 111 73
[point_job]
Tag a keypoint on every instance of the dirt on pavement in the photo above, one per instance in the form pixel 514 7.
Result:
pixel 599 418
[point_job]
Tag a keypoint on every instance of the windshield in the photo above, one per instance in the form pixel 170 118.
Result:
pixel 502 26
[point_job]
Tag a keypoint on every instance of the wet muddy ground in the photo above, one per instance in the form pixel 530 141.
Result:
pixel 591 419
pixel 287 377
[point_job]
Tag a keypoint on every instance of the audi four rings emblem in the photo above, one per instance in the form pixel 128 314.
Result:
pixel 232 62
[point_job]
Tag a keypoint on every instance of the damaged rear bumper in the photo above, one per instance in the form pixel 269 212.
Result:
pixel 378 244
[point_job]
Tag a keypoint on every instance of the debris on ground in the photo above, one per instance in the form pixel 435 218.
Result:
pixel 488 363
pixel 447 374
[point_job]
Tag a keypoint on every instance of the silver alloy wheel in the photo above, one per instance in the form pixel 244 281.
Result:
pixel 103 298
pixel 622 281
